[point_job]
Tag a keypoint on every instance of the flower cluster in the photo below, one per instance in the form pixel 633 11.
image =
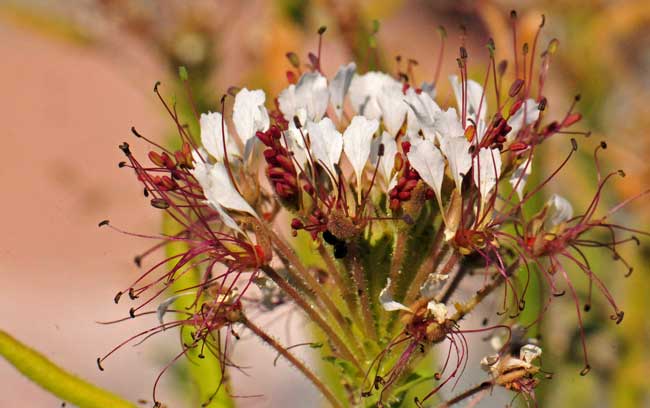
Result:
pixel 399 199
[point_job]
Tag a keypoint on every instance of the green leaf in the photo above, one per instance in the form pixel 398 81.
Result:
pixel 54 379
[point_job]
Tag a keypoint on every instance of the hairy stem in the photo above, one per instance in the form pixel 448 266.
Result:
pixel 313 314
pixel 362 291
pixel 293 360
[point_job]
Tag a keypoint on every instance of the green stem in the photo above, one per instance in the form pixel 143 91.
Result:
pixel 54 379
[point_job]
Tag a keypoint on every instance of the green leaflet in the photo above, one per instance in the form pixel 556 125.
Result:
pixel 54 379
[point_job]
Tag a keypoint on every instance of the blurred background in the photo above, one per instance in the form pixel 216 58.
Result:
pixel 76 75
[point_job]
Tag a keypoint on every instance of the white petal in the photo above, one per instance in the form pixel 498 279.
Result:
pixel 520 176
pixel 249 114
pixel 392 106
pixel 447 125
pixel 433 282
pixel 474 95
pixel 326 143
pixel 421 115
pixel 201 173
pixel 296 144
pixel 287 102
pixel 489 361
pixel 560 210
pixel 388 159
pixel 357 140
pixel 340 85
pixel 438 310
pixel 313 95
pixel 530 352
pixel 530 110
pixel 429 89
pixel 387 302
pixel 429 163
pixel 364 91
pixel 487 170
pixel 222 191
pixel 212 137
pixel 456 149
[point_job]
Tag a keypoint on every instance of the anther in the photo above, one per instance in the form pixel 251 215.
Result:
pixel 463 53
pixel 621 173
pixel 135 132
pixel 442 31
pixel 542 104
pixel 125 148
pixel 121 164
pixel 322 30
pixel 293 59
pixel 525 48
pixel 380 152
pixel 159 203
pixel 559 294
pixel 577 98
pixel 137 260
pixel 296 122
pixel 587 307
pixel 513 14
pixel 516 87
pixel 618 317
pixel 585 370
pixel 574 144
pixel 117 297
pixel 603 145
pixel 132 294
pixel 156 85
pixel 99 364
pixel 132 312
pixel 103 223
pixel 541 24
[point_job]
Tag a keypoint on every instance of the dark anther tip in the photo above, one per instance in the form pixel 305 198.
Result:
pixel 619 317
pixel 559 294
pixel 587 307
pixel 585 370
pixel 380 152
pixel 156 85
pixel 121 164
pixel 125 148
pixel 132 312
pixel 621 173
pixel 132 294
pixel 574 144
pixel 99 364
pixel 321 30
pixel 103 223
pixel 541 24
pixel 135 132
pixel 513 14
pixel 577 98
pixel 117 297
pixel 137 260
pixel 603 145
pixel 296 122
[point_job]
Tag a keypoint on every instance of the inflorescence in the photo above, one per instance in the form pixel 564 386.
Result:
pixel 398 198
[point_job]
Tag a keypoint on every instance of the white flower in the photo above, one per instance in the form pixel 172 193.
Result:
pixel 212 135
pixel 474 97
pixel 386 299
pixel 326 143
pixel 422 112
pixel 364 91
pixel 520 176
pixel 447 125
pixel 487 170
pixel 530 352
pixel 560 210
pixel 357 142
pixel 388 159
pixel 308 99
pixel 392 106
pixel 340 85
pixel 249 115
pixel 430 165
pixel 456 150
pixel 530 110
pixel 438 311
